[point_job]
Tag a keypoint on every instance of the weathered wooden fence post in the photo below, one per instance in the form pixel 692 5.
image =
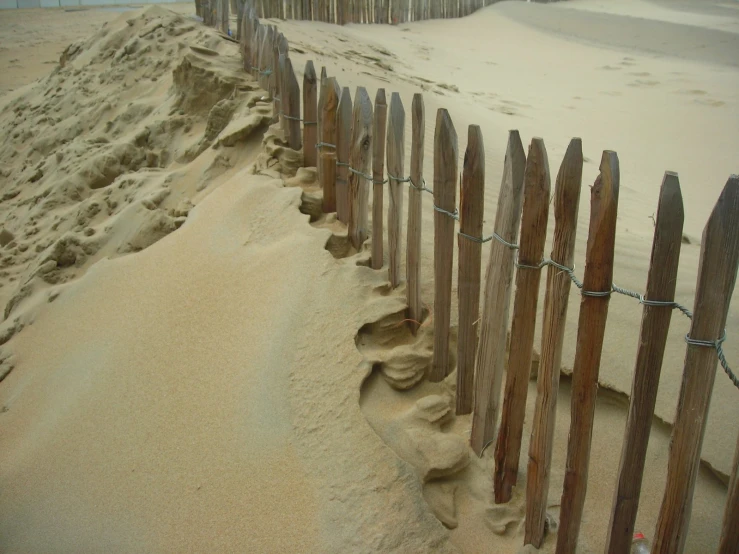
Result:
pixel 655 324
pixel 530 254
pixel 395 162
pixel 566 203
pixel 360 154
pixel 310 118
pixel 490 354
pixel 239 19
pixel 275 77
pixel 446 154
pixel 591 328
pixel 327 158
pixel 471 211
pixel 224 4
pixel 729 529
pixel 413 248
pixel 319 112
pixel 265 56
pixel 378 176
pixel 291 105
pixel 256 36
pixel 281 69
pixel 716 279
pixel 343 128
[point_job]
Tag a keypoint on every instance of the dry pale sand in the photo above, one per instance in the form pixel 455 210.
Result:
pixel 187 358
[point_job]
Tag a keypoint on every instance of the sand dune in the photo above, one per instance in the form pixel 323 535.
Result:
pixel 193 358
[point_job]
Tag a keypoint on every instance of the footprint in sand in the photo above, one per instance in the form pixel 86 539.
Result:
pixel 709 102
pixel 610 68
pixel 640 73
pixel 643 83
pixel 693 92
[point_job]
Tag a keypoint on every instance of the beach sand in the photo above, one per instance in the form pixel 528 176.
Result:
pixel 187 355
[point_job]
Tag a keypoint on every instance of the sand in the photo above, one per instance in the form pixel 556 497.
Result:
pixel 188 349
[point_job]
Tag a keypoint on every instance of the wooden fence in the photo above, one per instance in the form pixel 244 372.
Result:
pixel 357 11
pixel 349 143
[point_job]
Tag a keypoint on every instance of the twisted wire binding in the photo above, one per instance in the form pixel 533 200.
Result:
pixel 454 215
pixel 398 179
pixel 320 145
pixel 367 176
pixel 266 73
pixel 342 164
pixel 480 240
pixel 422 188
pixel 293 118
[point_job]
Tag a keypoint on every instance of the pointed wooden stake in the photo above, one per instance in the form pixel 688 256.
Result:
pixel 566 203
pixel 395 163
pixel 291 105
pixel 327 158
pixel 591 329
pixel 494 322
pixel 310 128
pixel 413 251
pixel 360 153
pixel 655 323
pixel 319 115
pixel 378 176
pixel 716 279
pixel 446 154
pixel 343 128
pixel 530 253
pixel 471 211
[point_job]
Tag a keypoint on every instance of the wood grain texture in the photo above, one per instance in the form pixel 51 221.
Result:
pixel 729 543
pixel 281 68
pixel 534 218
pixel 319 114
pixel 566 203
pixel 661 282
pixel 395 170
pixel 413 248
pixel 255 45
pixel 360 154
pixel 491 348
pixel 265 56
pixel 471 212
pixel 716 278
pixel 327 155
pixel 343 138
pixel 446 155
pixel 310 123
pixel 590 332
pixel 379 129
pixel 273 80
pixel 292 107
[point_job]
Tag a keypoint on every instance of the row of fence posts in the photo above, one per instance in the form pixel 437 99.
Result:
pixel 358 11
pixel 215 13
pixel 349 143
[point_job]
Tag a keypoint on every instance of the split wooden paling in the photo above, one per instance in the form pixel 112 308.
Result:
pixel 364 139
